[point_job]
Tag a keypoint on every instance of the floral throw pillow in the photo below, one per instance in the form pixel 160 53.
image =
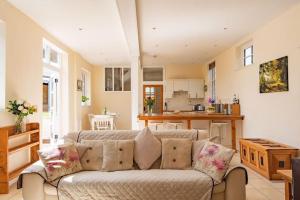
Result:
pixel 214 160
pixel 60 161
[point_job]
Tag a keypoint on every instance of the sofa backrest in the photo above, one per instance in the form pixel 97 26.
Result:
pixel 131 134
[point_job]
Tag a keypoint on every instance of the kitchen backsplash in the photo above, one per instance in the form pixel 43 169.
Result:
pixel 182 102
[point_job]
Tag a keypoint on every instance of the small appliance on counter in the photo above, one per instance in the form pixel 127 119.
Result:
pixel 198 107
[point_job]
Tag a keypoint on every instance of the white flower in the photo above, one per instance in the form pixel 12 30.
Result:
pixel 19 102
pixel 26 105
pixel 24 111
pixel 20 108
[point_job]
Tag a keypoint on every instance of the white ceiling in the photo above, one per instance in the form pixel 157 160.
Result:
pixel 192 31
pixel 101 41
pixel 186 31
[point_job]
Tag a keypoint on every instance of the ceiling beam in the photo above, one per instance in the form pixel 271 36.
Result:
pixel 128 17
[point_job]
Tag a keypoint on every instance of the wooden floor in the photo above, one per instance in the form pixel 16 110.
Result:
pixel 258 188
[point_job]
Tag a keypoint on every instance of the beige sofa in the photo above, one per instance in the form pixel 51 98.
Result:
pixel 232 188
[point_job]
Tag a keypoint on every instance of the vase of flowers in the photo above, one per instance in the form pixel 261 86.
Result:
pixel 21 109
pixel 149 102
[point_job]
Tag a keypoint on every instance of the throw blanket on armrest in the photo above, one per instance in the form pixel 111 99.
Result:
pixel 36 168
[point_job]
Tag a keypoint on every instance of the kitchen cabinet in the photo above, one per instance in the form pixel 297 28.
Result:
pixel 169 88
pixel 196 88
pixel 181 85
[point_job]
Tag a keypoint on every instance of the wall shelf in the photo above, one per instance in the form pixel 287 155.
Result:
pixel 7 134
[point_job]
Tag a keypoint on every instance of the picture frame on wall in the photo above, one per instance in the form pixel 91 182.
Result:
pixel 79 85
pixel 273 76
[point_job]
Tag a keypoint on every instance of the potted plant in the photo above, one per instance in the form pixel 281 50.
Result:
pixel 149 102
pixel 20 109
pixel 84 99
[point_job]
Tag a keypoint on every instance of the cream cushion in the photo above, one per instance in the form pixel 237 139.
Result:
pixel 60 161
pixel 117 155
pixel 214 160
pixel 176 153
pixel 196 149
pixel 91 154
pixel 147 149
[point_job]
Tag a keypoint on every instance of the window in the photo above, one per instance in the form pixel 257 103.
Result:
pixel 86 87
pixel 248 55
pixel 117 79
pixel 2 65
pixel 212 79
pixel 153 74
pixel 52 55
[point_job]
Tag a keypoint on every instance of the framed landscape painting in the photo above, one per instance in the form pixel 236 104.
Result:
pixel 273 76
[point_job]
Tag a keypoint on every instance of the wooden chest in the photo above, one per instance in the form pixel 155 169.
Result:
pixel 266 157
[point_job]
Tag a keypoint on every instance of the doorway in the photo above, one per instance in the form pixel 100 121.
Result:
pixel 51 104
pixel 156 92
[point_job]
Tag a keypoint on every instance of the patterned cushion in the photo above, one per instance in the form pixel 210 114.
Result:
pixel 91 154
pixel 196 149
pixel 147 149
pixel 60 161
pixel 117 155
pixel 176 153
pixel 214 160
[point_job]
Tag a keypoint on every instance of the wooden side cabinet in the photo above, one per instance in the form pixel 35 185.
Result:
pixel 266 157
pixel 6 135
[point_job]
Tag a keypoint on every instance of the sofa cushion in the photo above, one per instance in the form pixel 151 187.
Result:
pixel 214 160
pixel 117 155
pixel 176 153
pixel 60 161
pixel 147 149
pixel 91 154
pixel 196 149
pixel 138 184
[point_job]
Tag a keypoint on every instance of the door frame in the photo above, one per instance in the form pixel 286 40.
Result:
pixel 161 86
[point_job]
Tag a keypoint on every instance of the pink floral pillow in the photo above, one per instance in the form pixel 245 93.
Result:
pixel 214 160
pixel 60 161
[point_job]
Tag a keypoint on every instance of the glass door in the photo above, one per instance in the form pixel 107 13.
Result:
pixel 154 92
pixel 51 104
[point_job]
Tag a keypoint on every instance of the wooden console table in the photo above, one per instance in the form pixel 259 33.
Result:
pixel 7 134
pixel 287 176
pixel 189 116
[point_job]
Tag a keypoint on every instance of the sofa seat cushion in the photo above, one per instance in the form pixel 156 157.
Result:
pixel 143 184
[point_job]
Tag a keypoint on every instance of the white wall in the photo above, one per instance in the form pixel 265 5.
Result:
pixel 276 115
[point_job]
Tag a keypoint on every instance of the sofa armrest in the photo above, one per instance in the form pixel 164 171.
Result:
pixel 33 187
pixel 236 180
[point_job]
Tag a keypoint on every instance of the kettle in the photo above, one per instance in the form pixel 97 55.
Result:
pixel 199 107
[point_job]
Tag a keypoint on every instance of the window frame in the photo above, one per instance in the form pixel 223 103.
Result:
pixel 47 47
pixel 245 48
pixel 113 78
pixel 86 86
pixel 212 79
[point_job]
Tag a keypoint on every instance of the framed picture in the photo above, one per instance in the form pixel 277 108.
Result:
pixel 79 85
pixel 273 76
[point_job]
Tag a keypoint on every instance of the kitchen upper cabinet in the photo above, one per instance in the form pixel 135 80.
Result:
pixel 169 88
pixel 181 85
pixel 196 88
